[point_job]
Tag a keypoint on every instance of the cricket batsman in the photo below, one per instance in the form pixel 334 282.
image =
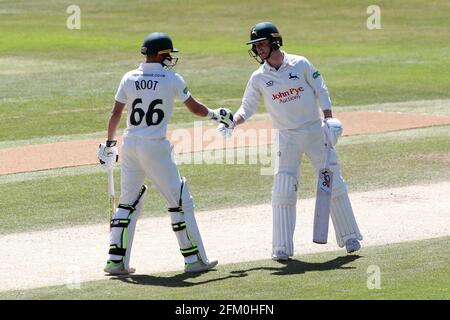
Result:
pixel 293 91
pixel 148 94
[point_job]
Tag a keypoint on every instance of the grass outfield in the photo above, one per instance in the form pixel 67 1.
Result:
pixel 59 85
pixel 411 270
pixel 59 82
pixel 77 196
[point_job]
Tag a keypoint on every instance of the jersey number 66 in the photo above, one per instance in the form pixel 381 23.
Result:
pixel 153 117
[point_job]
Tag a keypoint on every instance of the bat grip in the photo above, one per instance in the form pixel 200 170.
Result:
pixel 329 147
pixel 327 162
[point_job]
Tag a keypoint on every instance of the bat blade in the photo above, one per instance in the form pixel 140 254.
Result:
pixel 112 206
pixel 111 194
pixel 323 206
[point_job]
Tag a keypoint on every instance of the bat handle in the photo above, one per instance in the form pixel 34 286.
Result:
pixel 110 182
pixel 329 146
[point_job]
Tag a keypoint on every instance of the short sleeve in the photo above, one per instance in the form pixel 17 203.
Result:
pixel 121 95
pixel 180 87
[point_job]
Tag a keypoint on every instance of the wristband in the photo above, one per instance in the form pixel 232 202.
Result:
pixel 210 114
pixel 111 143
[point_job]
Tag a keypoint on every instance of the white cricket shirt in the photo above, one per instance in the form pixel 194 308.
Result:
pixel 292 94
pixel 149 93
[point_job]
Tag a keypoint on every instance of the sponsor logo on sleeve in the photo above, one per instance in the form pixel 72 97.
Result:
pixel 185 91
pixel 269 84
pixel 316 75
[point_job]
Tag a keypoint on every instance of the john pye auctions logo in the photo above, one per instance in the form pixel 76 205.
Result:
pixel 291 94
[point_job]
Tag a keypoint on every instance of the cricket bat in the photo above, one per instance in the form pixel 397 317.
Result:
pixel 111 194
pixel 323 202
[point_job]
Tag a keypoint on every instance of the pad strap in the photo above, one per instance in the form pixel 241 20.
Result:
pixel 184 239
pixel 114 249
pixel 120 223
pixel 128 207
pixel 179 226
pixel 189 251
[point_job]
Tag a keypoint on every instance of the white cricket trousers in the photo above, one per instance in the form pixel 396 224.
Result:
pixel 141 158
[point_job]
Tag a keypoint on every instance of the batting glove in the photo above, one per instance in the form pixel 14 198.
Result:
pixel 108 154
pixel 222 115
pixel 333 130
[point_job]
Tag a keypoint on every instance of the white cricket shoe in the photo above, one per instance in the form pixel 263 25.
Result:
pixel 117 268
pixel 280 256
pixel 352 245
pixel 199 266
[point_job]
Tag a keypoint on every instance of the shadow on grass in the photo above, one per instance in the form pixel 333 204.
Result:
pixel 179 280
pixel 289 267
pixel 300 267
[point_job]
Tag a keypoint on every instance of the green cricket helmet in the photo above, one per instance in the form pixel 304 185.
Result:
pixel 158 43
pixel 264 31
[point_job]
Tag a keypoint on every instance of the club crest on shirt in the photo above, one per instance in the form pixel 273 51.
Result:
pixel 269 84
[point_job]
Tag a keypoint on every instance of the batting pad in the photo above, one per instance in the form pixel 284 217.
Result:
pixel 284 199
pixel 185 226
pixel 123 225
pixel 344 221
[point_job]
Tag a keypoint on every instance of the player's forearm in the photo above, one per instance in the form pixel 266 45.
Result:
pixel 247 109
pixel 113 125
pixel 238 119
pixel 324 98
pixel 114 119
pixel 202 110
pixel 196 107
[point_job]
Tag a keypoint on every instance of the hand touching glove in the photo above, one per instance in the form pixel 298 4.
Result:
pixel 226 119
pixel 108 154
pixel 226 132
